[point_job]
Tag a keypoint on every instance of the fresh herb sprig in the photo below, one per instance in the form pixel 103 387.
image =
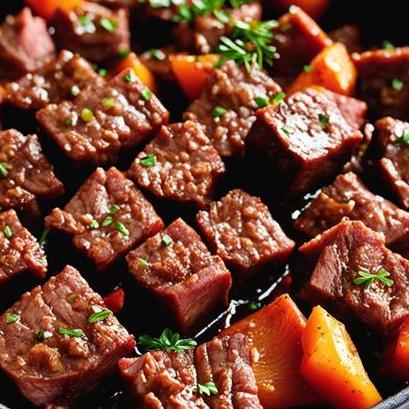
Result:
pixel 207 389
pixel 168 341
pixel 366 278
pixel 403 138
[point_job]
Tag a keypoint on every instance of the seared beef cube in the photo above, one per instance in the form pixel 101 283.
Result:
pixel 351 251
pixel 305 137
pixel 241 230
pixel 19 250
pixel 25 173
pixel 349 35
pixel 227 362
pixel 228 106
pixel 179 164
pixel 107 217
pixel 104 119
pixel 392 136
pixel 24 44
pixel 384 81
pixel 60 79
pixel 177 268
pixel 53 342
pixel 348 198
pixel 94 31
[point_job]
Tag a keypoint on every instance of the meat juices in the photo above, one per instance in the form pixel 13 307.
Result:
pixel 179 271
pixel 25 175
pixel 179 164
pixel 104 119
pixel 60 352
pixel 305 138
pixel 241 230
pixel 19 249
pixel 24 44
pixel 334 260
pixel 106 218
pixel 227 107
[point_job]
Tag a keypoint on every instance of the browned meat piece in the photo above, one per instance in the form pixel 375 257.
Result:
pixel 103 119
pixel 335 259
pixel 179 164
pixel 49 347
pixel 384 81
pixel 348 198
pixel 240 229
pixel 349 35
pixel 228 106
pixel 158 62
pixel 24 44
pixel 25 174
pixel 19 250
pixel 107 217
pixel 62 78
pixel 95 32
pixel 305 137
pixel 178 269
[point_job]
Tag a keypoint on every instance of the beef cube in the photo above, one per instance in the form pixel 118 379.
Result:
pixel 60 79
pixel 19 250
pixel 227 107
pixel 177 268
pixel 104 119
pixel 341 255
pixel 241 230
pixel 393 141
pixel 107 217
pixel 95 32
pixel 24 44
pixel 179 164
pixel 305 137
pixel 384 81
pixel 25 173
pixel 53 342
pixel 348 198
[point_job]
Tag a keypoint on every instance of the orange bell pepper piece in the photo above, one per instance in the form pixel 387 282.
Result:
pixel 315 8
pixel 47 8
pixel 332 68
pixel 332 366
pixel 276 333
pixel 191 72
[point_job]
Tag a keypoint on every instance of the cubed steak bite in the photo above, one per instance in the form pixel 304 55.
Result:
pixel 67 341
pixel 179 164
pixel 179 271
pixel 24 44
pixel 305 138
pixel 356 276
pixel 64 77
pixel 19 250
pixel 104 119
pixel 94 31
pixel 241 230
pixel 348 198
pixel 25 173
pixel 227 107
pixel 106 218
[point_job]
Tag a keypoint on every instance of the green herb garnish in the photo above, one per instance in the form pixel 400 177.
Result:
pixel 387 45
pixel 324 119
pixel 93 225
pixel 108 103
pixel 108 24
pixel 114 209
pixel 71 332
pixel 166 240
pixel 124 53
pixel 146 94
pixel 366 278
pixel 279 97
pixel 86 23
pixel 254 306
pixel 156 54
pixel 87 115
pixel 99 314
pixel 129 77
pixel 207 389
pixel 12 318
pixel 168 341
pixel 107 221
pixel 43 335
pixel 142 262
pixel 44 236
pixel 121 228
pixel 148 161
pixel 7 232
pixel 218 111
pixel 261 102
pixel 287 129
pixel 397 84
pixel 3 169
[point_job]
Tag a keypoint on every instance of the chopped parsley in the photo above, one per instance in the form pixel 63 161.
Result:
pixel 93 225
pixel 108 24
pixel 254 306
pixel 86 23
pixel 167 341
pixel 102 72
pixel 69 122
pixel 3 169
pixel 87 115
pixel 167 240
pixel 403 138
pixel 142 262
pixel 218 111
pixel 71 332
pixel 261 102
pixel 121 228
pixel 324 119
pixel 124 53
pixel 114 209
pixel 129 77
pixel 108 103
pixel 397 84
pixel 107 221
pixel 12 318
pixel 156 54
pixel 307 68
pixel 44 236
pixel 43 335
pixel 146 94
pixel 366 278
pixel 148 161
pixel 207 389
pixel 7 232
pixel 287 129
pixel 99 314
pixel 387 45
pixel 279 97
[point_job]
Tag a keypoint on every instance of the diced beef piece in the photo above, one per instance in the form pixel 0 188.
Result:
pixel 95 32
pixel 49 347
pixel 227 107
pixel 19 250
pixel 178 269
pixel 107 217
pixel 384 81
pixel 392 139
pixel 335 259
pixel 104 119
pixel 241 230
pixel 349 35
pixel 60 79
pixel 179 164
pixel 158 62
pixel 25 173
pixel 305 137
pixel 348 198
pixel 24 44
